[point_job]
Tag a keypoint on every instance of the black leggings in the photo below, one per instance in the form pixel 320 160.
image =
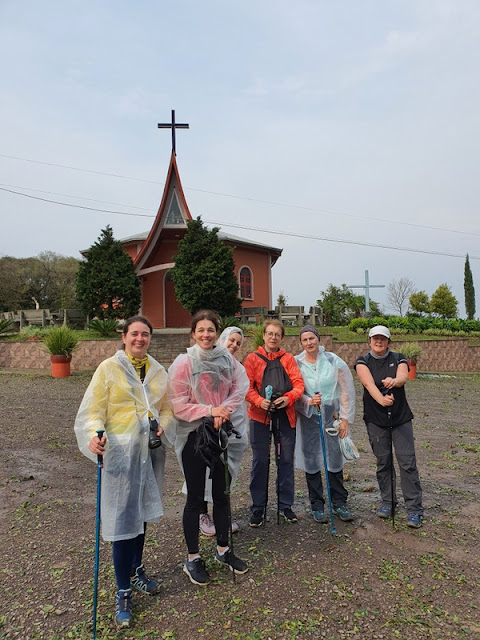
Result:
pixel 127 556
pixel 194 469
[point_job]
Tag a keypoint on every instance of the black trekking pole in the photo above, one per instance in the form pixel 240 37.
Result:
pixel 229 502
pixel 392 473
pixel 276 444
pixel 325 466
pixel 100 433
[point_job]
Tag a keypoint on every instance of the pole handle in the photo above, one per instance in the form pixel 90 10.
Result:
pixel 100 433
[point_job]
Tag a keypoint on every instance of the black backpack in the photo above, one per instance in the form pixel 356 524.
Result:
pixel 275 376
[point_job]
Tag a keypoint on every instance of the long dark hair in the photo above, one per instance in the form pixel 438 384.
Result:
pixel 205 314
pixel 133 319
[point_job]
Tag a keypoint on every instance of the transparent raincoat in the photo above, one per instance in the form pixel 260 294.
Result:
pixel 132 477
pixel 331 376
pixel 199 380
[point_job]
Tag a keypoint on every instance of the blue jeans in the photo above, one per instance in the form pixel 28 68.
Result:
pixel 260 438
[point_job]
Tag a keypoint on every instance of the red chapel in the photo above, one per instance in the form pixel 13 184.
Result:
pixel 153 256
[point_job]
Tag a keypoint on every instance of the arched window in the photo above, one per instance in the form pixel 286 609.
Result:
pixel 246 283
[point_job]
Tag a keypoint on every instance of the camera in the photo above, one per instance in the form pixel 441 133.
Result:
pixel 154 440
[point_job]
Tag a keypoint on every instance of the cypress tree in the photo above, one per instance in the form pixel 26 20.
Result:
pixel 469 290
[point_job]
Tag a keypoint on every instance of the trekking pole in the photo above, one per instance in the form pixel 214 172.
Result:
pixel 100 433
pixel 268 396
pixel 229 502
pixel 392 480
pixel 325 465
pixel 276 443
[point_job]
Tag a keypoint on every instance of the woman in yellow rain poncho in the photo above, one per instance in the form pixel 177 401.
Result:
pixel 125 396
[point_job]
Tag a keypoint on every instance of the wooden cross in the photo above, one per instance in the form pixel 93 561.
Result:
pixel 173 125
pixel 367 286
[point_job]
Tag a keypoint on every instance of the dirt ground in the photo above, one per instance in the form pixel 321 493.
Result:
pixel 368 581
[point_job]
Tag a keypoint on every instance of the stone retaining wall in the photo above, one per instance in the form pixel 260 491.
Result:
pixel 438 355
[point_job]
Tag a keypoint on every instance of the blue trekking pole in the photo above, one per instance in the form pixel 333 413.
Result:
pixel 100 433
pixel 322 438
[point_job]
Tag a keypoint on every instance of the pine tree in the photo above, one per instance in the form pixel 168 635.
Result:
pixel 469 290
pixel 203 274
pixel 107 285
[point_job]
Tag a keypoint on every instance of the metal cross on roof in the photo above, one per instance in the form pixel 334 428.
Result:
pixel 367 286
pixel 173 125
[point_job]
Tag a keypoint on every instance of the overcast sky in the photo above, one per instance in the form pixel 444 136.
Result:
pixel 356 122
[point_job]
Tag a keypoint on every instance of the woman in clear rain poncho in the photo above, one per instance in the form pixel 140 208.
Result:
pixel 126 393
pixel 232 339
pixel 204 382
pixel 328 385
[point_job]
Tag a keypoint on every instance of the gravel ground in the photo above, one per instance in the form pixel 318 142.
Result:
pixel 368 581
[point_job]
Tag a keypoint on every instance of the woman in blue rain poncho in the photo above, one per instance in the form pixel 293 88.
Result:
pixel 328 387
pixel 126 393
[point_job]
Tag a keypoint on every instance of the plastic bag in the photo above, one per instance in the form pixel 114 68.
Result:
pixel 348 448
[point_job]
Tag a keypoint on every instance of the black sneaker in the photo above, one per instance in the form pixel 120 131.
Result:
pixel 256 519
pixel 232 562
pixel 195 570
pixel 289 516
pixel 142 582
pixel 123 608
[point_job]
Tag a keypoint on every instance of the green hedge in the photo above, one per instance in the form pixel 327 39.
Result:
pixel 417 324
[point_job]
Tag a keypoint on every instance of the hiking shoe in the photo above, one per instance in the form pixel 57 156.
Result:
pixel 320 516
pixel 289 516
pixel 235 564
pixel 207 528
pixel 344 513
pixel 195 570
pixel 256 519
pixel 414 520
pixel 140 581
pixel 385 511
pixel 123 608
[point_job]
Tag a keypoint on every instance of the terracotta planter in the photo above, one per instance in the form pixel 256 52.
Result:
pixel 412 369
pixel 60 366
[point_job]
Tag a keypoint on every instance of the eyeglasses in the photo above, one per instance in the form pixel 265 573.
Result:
pixel 270 334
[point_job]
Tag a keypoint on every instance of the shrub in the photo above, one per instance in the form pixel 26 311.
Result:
pixel 411 350
pixel 104 327
pixel 257 335
pixel 61 341
pixel 359 323
pixel 6 326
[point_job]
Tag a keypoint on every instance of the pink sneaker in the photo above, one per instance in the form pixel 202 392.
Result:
pixel 207 528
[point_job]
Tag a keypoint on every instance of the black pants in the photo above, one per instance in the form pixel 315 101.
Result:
pixel 194 469
pixel 315 489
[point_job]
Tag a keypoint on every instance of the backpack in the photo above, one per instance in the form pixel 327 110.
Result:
pixel 275 376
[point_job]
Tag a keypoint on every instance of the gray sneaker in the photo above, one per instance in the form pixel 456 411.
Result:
pixel 232 562
pixel 195 570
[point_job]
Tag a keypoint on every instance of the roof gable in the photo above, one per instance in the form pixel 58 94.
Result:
pixel 173 213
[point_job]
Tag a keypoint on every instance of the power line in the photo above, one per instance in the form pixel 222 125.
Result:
pixel 247 198
pixel 248 228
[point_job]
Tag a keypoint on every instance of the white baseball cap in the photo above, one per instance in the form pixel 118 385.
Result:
pixel 379 330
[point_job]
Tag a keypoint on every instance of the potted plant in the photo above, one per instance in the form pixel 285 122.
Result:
pixel 60 343
pixel 412 351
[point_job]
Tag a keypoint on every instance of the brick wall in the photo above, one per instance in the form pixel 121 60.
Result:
pixel 438 355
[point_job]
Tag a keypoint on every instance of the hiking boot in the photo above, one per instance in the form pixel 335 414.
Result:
pixel 195 570
pixel 385 511
pixel 123 608
pixel 343 512
pixel 414 520
pixel 256 519
pixel 207 527
pixel 142 582
pixel 320 516
pixel 235 564
pixel 289 516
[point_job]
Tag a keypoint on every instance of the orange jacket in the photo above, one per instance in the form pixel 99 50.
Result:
pixel 255 366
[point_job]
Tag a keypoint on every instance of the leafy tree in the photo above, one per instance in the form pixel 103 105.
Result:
pixel 469 290
pixel 398 293
pixel 203 274
pixel 107 285
pixel 419 302
pixel 282 299
pixel 443 302
pixel 340 305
